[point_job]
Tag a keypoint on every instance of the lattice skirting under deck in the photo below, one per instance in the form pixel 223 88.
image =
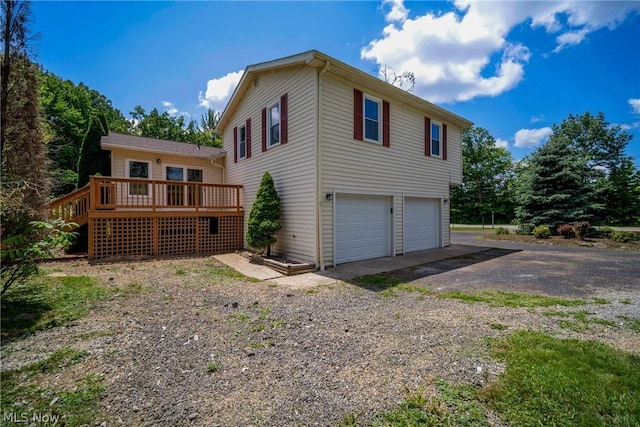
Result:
pixel 114 235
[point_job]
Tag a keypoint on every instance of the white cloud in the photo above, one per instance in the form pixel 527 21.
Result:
pixel 528 138
pixel 502 143
pixel 398 12
pixel 471 52
pixel 220 90
pixel 538 118
pixel 635 104
pixel 170 108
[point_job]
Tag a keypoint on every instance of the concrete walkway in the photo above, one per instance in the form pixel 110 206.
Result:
pixel 344 271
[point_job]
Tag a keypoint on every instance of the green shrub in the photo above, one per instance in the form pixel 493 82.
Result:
pixel 566 231
pixel 502 230
pixel 542 232
pixel 605 232
pixel 625 236
pixel 525 229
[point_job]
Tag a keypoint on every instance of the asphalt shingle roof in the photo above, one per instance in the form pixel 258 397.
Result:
pixel 140 143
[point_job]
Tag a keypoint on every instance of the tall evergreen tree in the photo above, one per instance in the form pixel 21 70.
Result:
pixel 24 163
pixel 93 159
pixel 556 186
pixel 264 216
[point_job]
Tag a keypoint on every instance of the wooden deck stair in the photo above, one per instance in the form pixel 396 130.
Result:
pixel 73 207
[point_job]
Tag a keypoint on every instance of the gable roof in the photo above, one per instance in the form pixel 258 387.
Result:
pixel 316 59
pixel 163 146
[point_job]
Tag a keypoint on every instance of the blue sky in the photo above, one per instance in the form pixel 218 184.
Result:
pixel 514 68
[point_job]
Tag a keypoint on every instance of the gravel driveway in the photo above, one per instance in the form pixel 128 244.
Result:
pixel 298 356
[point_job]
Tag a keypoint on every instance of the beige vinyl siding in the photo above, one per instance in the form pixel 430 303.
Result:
pixel 402 169
pixel 212 174
pixel 292 165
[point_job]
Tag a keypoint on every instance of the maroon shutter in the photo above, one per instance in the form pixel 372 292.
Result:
pixel 444 142
pixel 386 134
pixel 235 144
pixel 357 114
pixel 284 119
pixel 247 135
pixel 427 136
pixel 264 129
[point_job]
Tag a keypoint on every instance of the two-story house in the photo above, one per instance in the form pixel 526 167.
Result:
pixel 363 168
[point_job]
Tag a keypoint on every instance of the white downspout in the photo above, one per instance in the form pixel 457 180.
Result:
pixel 319 199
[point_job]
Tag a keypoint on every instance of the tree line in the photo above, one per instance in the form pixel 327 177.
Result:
pixel 581 173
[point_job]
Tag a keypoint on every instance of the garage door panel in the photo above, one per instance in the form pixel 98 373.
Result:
pixel 421 224
pixel 362 227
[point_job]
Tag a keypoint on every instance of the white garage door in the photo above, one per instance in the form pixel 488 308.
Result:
pixel 362 227
pixel 421 224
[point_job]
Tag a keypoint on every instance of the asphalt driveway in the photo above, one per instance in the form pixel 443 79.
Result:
pixel 552 270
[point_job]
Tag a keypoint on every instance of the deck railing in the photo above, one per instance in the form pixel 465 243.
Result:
pixel 73 207
pixel 133 194
pixel 155 195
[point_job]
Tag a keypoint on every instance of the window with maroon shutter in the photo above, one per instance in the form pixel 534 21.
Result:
pixel 444 142
pixel 357 114
pixel 235 144
pixel 386 134
pixel 435 139
pixel 264 129
pixel 427 136
pixel 248 137
pixel 284 119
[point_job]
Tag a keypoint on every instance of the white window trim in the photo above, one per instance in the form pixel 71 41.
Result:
pixel 243 126
pixel 269 108
pixel 378 101
pixel 127 175
pixel 434 123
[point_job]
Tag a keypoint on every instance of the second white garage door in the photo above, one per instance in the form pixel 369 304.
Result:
pixel 362 227
pixel 421 224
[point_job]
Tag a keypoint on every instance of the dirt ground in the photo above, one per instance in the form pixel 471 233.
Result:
pixel 286 356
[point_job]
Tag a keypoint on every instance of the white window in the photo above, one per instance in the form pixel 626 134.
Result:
pixel 273 117
pixel 242 142
pixel 436 139
pixel 188 194
pixel 372 109
pixel 138 169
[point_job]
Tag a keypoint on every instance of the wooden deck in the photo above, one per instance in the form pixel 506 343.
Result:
pixel 138 217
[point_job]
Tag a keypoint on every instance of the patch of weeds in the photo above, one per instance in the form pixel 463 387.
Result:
pixel 168 297
pixel 46 302
pixel 132 288
pixel 626 301
pixel 219 273
pixel 550 381
pixel 180 271
pixel 633 323
pixel 278 323
pixel 512 299
pixel 239 317
pixel 22 389
pixel 262 344
pixel 499 326
pixel 377 282
pixel 580 320
pixel 98 334
pixel 349 420
pixel 312 290
pixel 601 300
pixel 451 406
pixel 264 313
pixel 258 327
pixel 213 367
